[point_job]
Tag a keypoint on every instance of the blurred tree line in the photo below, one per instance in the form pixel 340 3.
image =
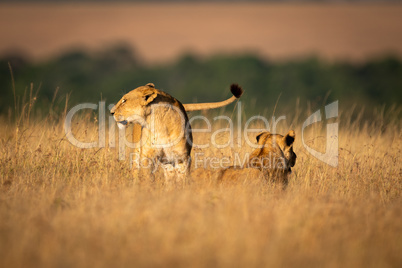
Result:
pixel 108 74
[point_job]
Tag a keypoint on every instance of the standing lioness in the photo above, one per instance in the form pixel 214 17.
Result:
pixel 167 138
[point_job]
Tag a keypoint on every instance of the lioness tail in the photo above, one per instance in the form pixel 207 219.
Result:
pixel 236 90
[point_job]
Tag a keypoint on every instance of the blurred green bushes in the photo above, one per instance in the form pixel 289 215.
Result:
pixel 108 74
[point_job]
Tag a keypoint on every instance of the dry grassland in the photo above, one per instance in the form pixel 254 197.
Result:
pixel 61 206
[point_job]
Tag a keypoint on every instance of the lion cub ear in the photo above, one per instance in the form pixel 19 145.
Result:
pixel 260 134
pixel 148 96
pixel 150 85
pixel 290 137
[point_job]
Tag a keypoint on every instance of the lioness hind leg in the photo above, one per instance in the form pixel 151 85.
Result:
pixel 182 172
pixel 176 174
pixel 169 174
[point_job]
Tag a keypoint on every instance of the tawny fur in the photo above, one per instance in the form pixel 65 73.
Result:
pixel 161 120
pixel 272 160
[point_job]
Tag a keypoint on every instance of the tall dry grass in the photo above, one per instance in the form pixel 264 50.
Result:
pixel 62 206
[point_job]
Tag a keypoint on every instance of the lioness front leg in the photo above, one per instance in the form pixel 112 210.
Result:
pixel 146 171
pixel 147 165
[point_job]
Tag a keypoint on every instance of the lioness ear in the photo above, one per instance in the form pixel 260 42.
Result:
pixel 290 137
pixel 148 96
pixel 260 134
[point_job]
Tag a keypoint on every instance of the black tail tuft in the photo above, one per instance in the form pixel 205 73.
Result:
pixel 236 90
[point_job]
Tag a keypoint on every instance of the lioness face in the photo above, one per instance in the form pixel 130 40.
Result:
pixel 133 106
pixel 278 146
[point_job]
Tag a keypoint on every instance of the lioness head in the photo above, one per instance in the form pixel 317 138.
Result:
pixel 275 152
pixel 132 107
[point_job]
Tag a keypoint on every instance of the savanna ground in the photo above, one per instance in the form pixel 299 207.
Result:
pixel 62 206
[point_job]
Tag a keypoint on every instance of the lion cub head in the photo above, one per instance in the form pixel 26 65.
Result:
pixel 133 106
pixel 272 160
pixel 274 153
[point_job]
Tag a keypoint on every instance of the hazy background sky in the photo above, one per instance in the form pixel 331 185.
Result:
pixel 162 32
